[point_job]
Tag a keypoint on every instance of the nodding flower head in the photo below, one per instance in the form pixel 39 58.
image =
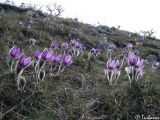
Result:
pixel 47 55
pixel 15 52
pixel 111 64
pixel 56 58
pixel 139 63
pixel 54 44
pixel 118 65
pixel 68 60
pixel 65 45
pixel 129 45
pixel 132 59
pixel 95 51
pixel 139 72
pixel 24 61
pixel 38 54
pixel 111 46
pixel 73 42
pixel 78 45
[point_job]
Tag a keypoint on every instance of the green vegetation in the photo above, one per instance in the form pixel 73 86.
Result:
pixel 82 91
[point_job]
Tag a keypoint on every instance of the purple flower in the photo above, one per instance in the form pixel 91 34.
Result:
pixel 129 45
pixel 111 64
pixel 59 58
pixel 93 50
pixel 78 45
pixel 139 72
pixel 111 46
pixel 73 42
pixel 24 61
pixel 68 60
pixel 54 44
pixel 53 59
pixel 65 45
pixel 15 52
pixel 139 63
pixel 47 55
pixel 56 58
pixel 44 53
pixel 38 54
pixel 132 59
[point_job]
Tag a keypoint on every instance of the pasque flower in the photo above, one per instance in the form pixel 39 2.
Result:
pixel 65 45
pixel 24 61
pixel 77 47
pixel 129 46
pixel 111 46
pixel 135 69
pixel 56 58
pixel 73 42
pixel 68 60
pixel 15 52
pixel 111 64
pixel 54 44
pixel 132 59
pixel 113 67
pixel 47 54
pixel 95 51
pixel 38 54
pixel 139 72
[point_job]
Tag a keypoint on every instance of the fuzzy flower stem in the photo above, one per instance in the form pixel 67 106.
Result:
pixel 18 77
pixel 111 78
pixel 12 65
pixel 39 72
pixel 37 66
pixel 59 69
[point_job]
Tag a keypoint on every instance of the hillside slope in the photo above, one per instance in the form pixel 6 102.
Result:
pixel 81 91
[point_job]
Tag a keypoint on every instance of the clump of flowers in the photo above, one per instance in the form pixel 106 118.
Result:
pixel 113 68
pixel 136 67
pixel 19 63
pixel 77 47
pixel 58 60
pixel 94 52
